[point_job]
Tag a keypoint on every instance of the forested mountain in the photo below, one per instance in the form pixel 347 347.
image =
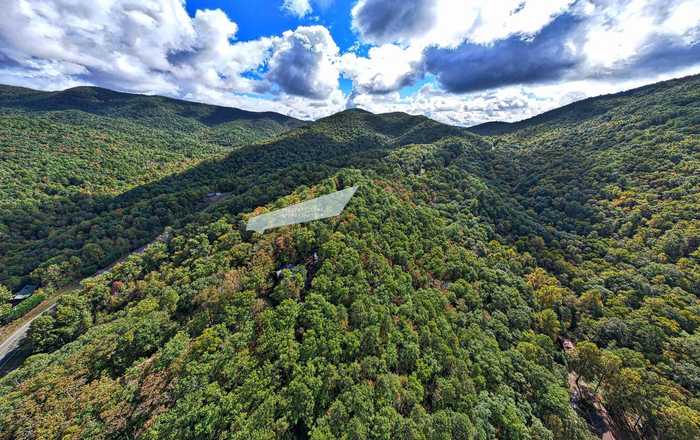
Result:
pixel 432 307
pixel 683 95
pixel 221 125
pixel 65 157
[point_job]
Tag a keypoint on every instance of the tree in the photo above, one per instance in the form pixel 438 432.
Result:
pixel 585 361
pixel 591 303
pixel 679 422
pixel 41 334
pixel 5 298
pixel 548 323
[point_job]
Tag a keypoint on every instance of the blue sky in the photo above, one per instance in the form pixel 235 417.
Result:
pixel 458 61
pixel 263 18
pixel 266 18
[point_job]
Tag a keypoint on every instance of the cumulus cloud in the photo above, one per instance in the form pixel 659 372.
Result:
pixel 299 8
pixel 465 29
pixel 620 36
pixel 295 106
pixel 448 23
pixel 509 103
pixel 387 21
pixel 113 40
pixel 386 68
pixel 304 63
pixel 477 45
pixel 154 46
pixel 481 59
pixel 506 104
pixel 149 46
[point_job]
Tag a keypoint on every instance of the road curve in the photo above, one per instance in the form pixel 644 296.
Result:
pixel 15 339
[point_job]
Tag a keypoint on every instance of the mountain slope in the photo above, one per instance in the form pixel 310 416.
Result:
pixel 223 125
pixel 431 308
pixel 619 192
pixel 66 154
pixel 392 330
pixel 595 107
pixel 79 233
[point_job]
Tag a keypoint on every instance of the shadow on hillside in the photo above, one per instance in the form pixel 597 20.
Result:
pixel 56 231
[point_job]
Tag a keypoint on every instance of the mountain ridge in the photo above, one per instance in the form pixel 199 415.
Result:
pixel 605 102
pixel 439 304
pixel 76 97
pixel 485 128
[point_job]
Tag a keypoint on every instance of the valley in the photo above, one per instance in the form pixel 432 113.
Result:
pixel 433 306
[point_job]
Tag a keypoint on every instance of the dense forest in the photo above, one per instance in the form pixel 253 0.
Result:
pixel 435 306
pixel 70 159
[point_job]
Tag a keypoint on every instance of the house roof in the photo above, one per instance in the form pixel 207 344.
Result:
pixel 26 291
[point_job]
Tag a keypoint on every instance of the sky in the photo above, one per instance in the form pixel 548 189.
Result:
pixel 461 62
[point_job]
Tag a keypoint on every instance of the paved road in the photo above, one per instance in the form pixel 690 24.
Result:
pixel 8 347
pixel 13 341
pixel 9 352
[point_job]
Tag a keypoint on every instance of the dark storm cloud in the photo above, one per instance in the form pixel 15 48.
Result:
pixel 383 21
pixel 294 71
pixel 472 67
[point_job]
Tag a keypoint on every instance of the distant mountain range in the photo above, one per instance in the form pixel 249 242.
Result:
pixel 537 279
pixel 165 112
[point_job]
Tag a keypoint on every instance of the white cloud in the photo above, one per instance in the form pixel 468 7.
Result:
pixel 304 63
pixel 447 23
pixel 485 21
pixel 617 32
pixel 154 46
pixel 386 68
pixel 405 29
pixel 508 104
pixel 480 44
pixel 299 8
pixel 295 106
pixel 132 45
pixel 466 110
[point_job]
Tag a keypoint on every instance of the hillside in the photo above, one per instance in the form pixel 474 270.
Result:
pixel 432 307
pixel 221 125
pixel 597 107
pixel 66 155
